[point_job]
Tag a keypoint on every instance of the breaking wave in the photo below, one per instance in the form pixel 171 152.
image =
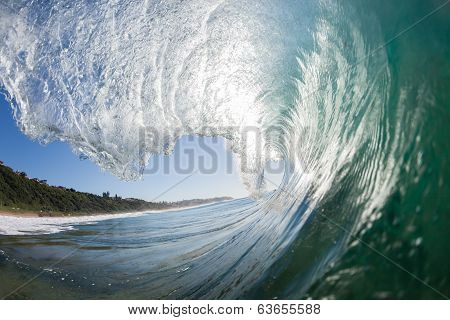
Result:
pixel 314 77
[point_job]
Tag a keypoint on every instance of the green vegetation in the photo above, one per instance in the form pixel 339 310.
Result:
pixel 18 193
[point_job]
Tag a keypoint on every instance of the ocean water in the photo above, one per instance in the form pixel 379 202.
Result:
pixel 352 95
pixel 213 251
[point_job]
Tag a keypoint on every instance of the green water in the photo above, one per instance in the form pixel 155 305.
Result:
pixel 405 254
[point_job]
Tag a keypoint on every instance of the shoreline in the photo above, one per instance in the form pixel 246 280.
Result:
pixel 26 214
pixel 34 214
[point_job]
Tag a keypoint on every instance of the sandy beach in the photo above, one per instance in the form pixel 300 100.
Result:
pixel 22 214
pixel 34 214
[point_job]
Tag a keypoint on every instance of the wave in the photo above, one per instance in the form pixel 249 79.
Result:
pixel 313 77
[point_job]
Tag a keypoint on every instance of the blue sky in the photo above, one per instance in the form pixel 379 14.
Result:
pixel 57 164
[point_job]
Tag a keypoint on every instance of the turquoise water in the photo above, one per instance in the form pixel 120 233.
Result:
pixel 353 95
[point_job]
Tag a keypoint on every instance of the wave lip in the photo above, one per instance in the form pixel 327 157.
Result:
pixel 94 75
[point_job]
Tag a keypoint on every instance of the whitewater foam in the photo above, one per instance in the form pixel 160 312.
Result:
pixel 10 225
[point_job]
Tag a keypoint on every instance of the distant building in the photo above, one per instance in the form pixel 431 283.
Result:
pixel 22 174
pixel 133 199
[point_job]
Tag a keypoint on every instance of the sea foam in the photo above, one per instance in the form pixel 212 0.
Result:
pixel 10 225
